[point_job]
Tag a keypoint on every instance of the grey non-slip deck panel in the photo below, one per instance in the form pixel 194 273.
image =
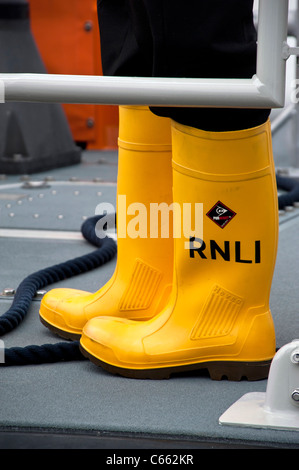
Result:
pixel 79 399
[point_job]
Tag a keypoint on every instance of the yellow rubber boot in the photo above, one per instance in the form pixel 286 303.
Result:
pixel 142 281
pixel 218 315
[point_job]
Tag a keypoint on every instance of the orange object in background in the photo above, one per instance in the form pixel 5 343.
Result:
pixel 67 36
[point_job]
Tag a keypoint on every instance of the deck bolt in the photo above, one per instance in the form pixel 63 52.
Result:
pixel 295 357
pixel 8 291
pixel 40 293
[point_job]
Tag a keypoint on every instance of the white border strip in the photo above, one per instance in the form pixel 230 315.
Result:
pixel 40 234
pixel 2 91
pixel 46 234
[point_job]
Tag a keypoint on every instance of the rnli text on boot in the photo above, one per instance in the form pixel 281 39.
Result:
pixel 196 245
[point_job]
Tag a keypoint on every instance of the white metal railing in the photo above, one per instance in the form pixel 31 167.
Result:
pixel 266 89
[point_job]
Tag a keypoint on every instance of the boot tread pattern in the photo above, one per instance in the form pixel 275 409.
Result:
pixel 219 314
pixel 142 288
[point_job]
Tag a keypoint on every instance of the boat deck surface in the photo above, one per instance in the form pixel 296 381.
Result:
pixel 76 404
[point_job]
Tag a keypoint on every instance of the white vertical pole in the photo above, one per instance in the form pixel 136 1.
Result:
pixel 272 33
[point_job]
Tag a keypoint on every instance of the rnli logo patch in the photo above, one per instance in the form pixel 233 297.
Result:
pixel 221 214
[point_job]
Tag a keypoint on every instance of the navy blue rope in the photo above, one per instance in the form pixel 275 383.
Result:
pixel 65 351
pixel 45 354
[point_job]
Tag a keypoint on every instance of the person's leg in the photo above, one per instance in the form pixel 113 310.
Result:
pixel 143 276
pixel 121 54
pixel 201 39
pixel 218 316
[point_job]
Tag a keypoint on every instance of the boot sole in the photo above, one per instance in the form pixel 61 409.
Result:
pixel 63 334
pixel 226 370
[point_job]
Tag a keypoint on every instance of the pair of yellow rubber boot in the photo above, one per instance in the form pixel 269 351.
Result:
pixel 189 292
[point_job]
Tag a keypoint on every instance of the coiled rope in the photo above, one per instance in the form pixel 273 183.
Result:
pixel 26 291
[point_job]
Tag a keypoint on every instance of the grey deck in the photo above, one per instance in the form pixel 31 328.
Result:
pixel 76 404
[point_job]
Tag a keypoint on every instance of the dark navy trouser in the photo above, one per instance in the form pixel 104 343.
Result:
pixel 183 38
